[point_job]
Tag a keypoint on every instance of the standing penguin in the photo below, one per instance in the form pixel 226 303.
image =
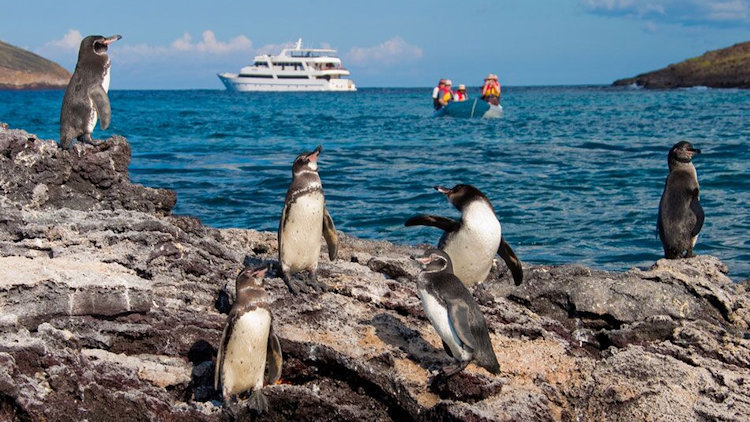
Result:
pixel 303 221
pixel 472 242
pixel 454 314
pixel 680 212
pixel 248 343
pixel 86 95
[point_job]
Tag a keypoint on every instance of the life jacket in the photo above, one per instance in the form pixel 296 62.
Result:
pixel 491 89
pixel 446 94
pixel 460 95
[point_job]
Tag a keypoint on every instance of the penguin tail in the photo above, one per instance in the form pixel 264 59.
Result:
pixel 489 362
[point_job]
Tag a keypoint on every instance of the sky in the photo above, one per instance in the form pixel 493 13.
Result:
pixel 385 43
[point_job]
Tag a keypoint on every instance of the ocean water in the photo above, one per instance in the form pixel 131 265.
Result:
pixel 574 173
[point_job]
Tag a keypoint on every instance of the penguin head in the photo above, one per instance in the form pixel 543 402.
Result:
pixel 249 281
pixel 460 195
pixel 307 161
pixel 681 152
pixel 434 261
pixel 95 47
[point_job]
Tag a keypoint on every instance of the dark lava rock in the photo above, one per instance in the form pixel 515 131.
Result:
pixel 109 312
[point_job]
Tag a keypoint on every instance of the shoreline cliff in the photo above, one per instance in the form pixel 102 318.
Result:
pixel 109 312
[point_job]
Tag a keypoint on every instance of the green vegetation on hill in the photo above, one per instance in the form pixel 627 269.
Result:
pixel 21 69
pixel 725 68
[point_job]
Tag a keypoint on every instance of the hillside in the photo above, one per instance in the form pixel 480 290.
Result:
pixel 725 68
pixel 21 70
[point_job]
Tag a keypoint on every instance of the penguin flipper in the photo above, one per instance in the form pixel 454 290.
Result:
pixel 281 230
pixel 459 313
pixel 444 223
pixel 697 209
pixel 511 260
pixel 101 103
pixel 469 325
pixel 329 233
pixel 226 335
pixel 273 358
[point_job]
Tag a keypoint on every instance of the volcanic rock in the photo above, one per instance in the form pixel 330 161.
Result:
pixel 109 312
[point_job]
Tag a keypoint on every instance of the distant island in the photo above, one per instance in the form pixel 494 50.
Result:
pixel 24 70
pixel 725 68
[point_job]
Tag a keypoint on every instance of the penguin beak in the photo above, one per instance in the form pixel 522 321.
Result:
pixel 260 273
pixel 694 151
pixel 110 40
pixel 443 190
pixel 421 260
pixel 313 156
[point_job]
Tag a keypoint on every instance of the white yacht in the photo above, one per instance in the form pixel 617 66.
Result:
pixel 294 69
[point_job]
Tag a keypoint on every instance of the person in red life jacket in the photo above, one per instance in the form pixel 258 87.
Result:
pixel 446 94
pixel 436 92
pixel 491 90
pixel 461 94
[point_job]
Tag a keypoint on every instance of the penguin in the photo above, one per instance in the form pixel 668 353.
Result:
pixel 86 97
pixel 473 241
pixel 248 344
pixel 454 314
pixel 680 213
pixel 304 220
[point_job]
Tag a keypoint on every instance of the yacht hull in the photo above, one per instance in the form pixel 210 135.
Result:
pixel 233 82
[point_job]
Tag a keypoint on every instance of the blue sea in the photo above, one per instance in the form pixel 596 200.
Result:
pixel 574 173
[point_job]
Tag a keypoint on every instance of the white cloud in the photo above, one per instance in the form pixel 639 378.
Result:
pixel 69 41
pixel 209 44
pixel 275 48
pixel 387 53
pixel 717 13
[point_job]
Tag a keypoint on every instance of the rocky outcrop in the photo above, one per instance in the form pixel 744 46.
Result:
pixel 24 70
pixel 725 68
pixel 108 311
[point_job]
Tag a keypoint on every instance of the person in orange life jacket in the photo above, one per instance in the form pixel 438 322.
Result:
pixel 436 92
pixel 491 90
pixel 461 94
pixel 446 95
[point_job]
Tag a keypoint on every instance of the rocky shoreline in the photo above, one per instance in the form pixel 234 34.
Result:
pixel 109 312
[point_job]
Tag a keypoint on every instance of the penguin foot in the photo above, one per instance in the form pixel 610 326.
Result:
pixel 314 284
pixel 452 370
pixel 258 402
pixel 295 286
pixel 94 142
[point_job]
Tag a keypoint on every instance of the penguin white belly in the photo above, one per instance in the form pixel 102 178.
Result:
pixel 245 355
pixel 105 80
pixel 93 117
pixel 473 248
pixel 302 234
pixel 438 316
